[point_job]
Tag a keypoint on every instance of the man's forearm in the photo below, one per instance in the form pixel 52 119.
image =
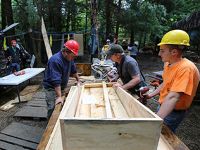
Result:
pixel 76 76
pixel 156 92
pixel 58 91
pixel 169 104
pixel 131 83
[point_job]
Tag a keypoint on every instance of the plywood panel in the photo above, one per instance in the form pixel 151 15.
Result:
pixel 97 108
pixel 112 135
pixel 133 107
pixel 117 107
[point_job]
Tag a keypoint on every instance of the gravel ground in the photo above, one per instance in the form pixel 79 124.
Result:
pixel 188 131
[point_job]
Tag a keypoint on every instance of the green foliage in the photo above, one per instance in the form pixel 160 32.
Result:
pixel 144 19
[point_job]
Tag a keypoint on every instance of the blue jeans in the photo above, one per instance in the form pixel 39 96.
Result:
pixel 50 97
pixel 174 119
pixel 15 66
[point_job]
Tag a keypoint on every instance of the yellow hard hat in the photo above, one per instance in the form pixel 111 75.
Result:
pixel 175 37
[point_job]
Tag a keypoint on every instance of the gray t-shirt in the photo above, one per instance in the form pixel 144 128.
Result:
pixel 128 68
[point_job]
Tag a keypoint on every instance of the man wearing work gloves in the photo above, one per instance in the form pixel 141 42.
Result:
pixel 59 68
pixel 180 79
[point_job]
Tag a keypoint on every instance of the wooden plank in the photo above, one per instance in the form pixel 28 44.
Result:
pixel 16 141
pixel 112 135
pixel 55 141
pixel 7 106
pixel 69 108
pixel 107 102
pixel 32 112
pixel 133 107
pixel 172 139
pixel 85 109
pixel 79 101
pixel 8 146
pixel 46 40
pixel 25 132
pixel 163 144
pixel 97 108
pixel 117 107
pixel 50 127
pixel 97 85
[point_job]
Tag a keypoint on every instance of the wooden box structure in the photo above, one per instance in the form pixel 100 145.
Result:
pixel 98 117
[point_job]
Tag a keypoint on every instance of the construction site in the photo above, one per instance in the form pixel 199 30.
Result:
pixel 99 81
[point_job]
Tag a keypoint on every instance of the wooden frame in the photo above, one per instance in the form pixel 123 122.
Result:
pixel 98 117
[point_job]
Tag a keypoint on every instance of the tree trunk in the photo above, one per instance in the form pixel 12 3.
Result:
pixel 108 17
pixel 7 15
pixel 118 14
pixel 58 15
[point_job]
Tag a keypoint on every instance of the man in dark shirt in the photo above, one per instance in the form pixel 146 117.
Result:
pixel 60 66
pixel 128 69
pixel 14 57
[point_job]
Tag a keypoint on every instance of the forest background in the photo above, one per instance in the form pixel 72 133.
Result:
pixel 144 21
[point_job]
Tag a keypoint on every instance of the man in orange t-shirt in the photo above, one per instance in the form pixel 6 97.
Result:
pixel 180 79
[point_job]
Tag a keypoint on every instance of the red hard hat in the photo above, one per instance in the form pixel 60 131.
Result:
pixel 73 46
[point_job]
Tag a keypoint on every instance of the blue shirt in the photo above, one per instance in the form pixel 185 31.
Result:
pixel 58 71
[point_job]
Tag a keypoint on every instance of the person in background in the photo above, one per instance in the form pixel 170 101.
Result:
pixel 127 68
pixel 59 68
pixel 132 48
pixel 105 49
pixel 124 45
pixel 25 56
pixel 180 79
pixel 14 57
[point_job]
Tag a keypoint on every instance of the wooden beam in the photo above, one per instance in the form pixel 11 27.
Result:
pixel 172 139
pixel 46 40
pixel 47 133
pixel 107 102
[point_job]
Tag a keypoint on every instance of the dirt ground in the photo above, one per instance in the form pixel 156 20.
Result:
pixel 188 131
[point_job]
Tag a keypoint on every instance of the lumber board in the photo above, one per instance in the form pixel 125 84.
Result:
pixel 172 139
pixel 117 107
pixel 112 135
pixel 133 106
pixel 46 40
pixel 163 144
pixel 55 140
pixel 79 101
pixel 107 102
pixel 85 109
pixel 56 143
pixel 97 85
pixel 69 108
pixel 50 127
pixel 97 108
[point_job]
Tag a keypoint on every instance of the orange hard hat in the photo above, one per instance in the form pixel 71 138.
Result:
pixel 73 46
